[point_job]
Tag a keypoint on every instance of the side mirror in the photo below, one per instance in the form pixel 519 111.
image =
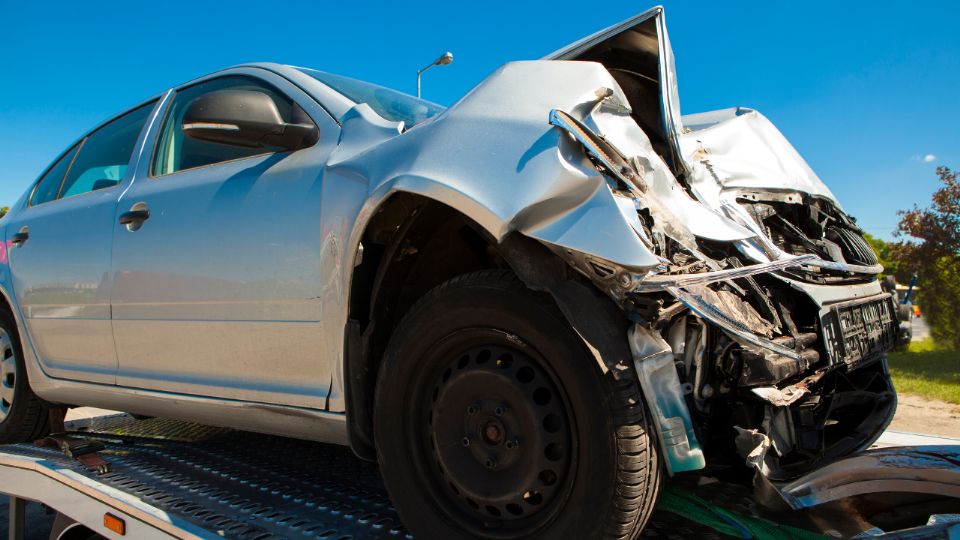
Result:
pixel 244 118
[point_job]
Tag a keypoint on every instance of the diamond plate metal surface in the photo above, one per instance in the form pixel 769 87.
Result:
pixel 252 486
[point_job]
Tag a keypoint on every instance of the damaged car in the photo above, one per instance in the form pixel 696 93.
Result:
pixel 530 308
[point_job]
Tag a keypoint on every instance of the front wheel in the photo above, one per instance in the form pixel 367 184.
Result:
pixel 492 420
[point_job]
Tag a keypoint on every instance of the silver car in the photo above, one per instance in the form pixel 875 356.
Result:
pixel 530 307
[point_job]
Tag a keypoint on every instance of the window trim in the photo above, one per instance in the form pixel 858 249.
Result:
pixel 83 143
pixel 166 115
pixel 151 176
pixel 36 185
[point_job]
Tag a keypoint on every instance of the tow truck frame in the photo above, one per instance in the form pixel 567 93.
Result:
pixel 173 479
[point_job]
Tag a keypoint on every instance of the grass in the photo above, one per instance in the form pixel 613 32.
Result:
pixel 927 371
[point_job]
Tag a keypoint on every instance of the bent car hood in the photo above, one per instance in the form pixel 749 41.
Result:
pixel 737 149
pixel 740 150
pixel 496 156
pixel 643 37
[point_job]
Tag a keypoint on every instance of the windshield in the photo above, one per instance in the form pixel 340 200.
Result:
pixel 390 104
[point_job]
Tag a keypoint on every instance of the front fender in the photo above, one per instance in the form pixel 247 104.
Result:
pixel 495 157
pixel 583 218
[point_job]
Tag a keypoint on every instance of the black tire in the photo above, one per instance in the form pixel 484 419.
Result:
pixel 483 358
pixel 905 312
pixel 22 415
pixel 905 337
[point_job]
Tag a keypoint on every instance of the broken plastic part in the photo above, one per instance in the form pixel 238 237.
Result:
pixel 737 213
pixel 655 367
pixel 659 282
pixel 753 445
pixel 737 327
pixel 778 397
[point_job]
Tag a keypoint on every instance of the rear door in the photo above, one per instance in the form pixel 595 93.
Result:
pixel 60 251
pixel 218 291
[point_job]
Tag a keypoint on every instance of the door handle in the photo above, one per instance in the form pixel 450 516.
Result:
pixel 135 217
pixel 20 237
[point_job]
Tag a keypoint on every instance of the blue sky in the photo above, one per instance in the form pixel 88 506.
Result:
pixel 865 90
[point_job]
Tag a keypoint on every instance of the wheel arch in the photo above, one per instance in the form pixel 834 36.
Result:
pixel 411 244
pixel 5 301
pixel 7 304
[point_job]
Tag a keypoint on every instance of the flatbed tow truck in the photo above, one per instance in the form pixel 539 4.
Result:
pixel 115 476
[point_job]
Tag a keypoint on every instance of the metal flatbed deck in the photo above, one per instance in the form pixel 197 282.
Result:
pixel 187 480
pixel 182 480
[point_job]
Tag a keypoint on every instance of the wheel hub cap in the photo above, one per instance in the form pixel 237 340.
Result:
pixel 493 433
pixel 499 433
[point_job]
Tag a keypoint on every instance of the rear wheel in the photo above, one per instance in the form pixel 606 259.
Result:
pixel 493 420
pixel 22 415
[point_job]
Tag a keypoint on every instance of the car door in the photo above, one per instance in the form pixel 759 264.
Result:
pixel 60 253
pixel 217 293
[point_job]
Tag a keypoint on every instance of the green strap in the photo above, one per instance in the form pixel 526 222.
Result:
pixel 689 506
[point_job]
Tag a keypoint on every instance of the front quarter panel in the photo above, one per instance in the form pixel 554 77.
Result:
pixel 495 157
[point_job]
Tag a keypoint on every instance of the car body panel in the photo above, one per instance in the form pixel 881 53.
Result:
pixel 67 304
pixel 631 36
pixel 539 184
pixel 225 276
pixel 738 149
pixel 62 281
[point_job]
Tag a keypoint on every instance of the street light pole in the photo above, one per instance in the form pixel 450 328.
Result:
pixel 444 59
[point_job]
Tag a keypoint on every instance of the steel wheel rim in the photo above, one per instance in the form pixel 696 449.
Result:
pixel 518 464
pixel 8 374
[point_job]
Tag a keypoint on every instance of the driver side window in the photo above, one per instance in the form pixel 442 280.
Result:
pixel 175 151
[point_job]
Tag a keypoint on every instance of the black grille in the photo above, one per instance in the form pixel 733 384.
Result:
pixel 854 247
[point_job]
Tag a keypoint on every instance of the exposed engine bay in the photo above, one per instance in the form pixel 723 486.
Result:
pixel 760 363
pixel 800 225
pixel 770 367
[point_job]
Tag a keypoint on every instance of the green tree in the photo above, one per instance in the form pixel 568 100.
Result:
pixel 891 266
pixel 930 246
pixel 4 210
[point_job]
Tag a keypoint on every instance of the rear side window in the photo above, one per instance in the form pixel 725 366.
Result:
pixel 104 155
pixel 177 152
pixel 48 186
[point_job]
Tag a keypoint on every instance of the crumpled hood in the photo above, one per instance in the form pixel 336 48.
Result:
pixel 739 149
pixel 723 150
pixel 495 157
